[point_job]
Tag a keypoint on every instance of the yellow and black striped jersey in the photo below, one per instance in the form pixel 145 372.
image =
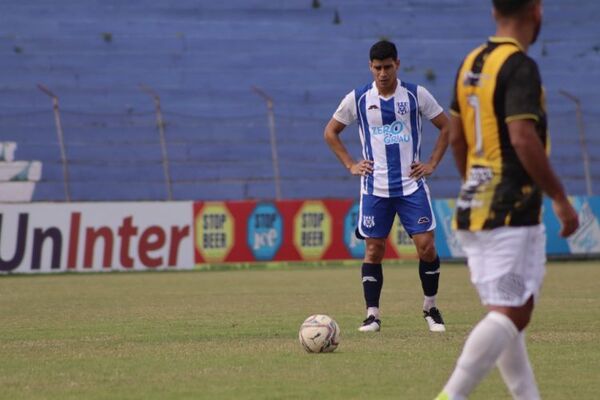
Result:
pixel 497 83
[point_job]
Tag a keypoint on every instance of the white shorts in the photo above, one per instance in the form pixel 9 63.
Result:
pixel 507 264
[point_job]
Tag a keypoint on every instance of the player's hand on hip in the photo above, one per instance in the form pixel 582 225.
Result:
pixel 419 170
pixel 569 222
pixel 362 168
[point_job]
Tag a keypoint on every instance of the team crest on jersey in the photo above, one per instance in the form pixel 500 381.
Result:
pixel 402 107
pixel 368 221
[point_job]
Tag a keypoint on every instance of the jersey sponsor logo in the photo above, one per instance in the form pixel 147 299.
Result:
pixel 402 107
pixel 392 133
pixel 368 221
pixel 479 176
pixel 471 78
pixel 373 107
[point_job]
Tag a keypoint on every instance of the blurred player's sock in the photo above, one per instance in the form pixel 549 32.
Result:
pixel 482 349
pixel 429 272
pixel 516 370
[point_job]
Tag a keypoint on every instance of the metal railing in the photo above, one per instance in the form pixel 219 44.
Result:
pixel 273 139
pixel 582 141
pixel 61 140
pixel 170 123
pixel 161 129
pixel 161 133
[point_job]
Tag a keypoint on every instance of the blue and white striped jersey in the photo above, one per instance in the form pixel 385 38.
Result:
pixel 390 133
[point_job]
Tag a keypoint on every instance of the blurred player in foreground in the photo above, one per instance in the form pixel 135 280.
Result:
pixel 388 112
pixel 498 137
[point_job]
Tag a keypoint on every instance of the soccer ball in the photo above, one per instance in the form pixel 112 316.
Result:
pixel 319 334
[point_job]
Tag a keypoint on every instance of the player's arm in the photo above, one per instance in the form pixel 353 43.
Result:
pixel 430 108
pixel 418 170
pixel 458 144
pixel 522 103
pixel 332 136
pixel 531 153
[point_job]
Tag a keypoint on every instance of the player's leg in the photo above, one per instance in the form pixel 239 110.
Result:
pixel 374 224
pixel 495 340
pixel 372 281
pixel 516 370
pixel 429 273
pixel 416 214
pixel 513 363
pixel 507 268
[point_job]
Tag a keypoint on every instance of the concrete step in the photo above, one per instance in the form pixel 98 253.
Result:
pixel 20 171
pixel 16 192
pixel 7 151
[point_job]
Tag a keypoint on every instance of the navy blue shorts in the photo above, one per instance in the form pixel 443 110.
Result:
pixel 376 214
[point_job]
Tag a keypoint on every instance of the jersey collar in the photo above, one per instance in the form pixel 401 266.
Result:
pixel 386 97
pixel 505 39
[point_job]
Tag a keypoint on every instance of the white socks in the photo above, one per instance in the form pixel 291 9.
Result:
pixel 373 311
pixel 516 370
pixel 483 347
pixel 428 302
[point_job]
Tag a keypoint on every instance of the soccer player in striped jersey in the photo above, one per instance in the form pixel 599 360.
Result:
pixel 498 134
pixel 388 112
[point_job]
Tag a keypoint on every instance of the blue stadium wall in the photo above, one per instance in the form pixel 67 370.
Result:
pixel 203 58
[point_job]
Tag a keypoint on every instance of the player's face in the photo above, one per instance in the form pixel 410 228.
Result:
pixel 385 72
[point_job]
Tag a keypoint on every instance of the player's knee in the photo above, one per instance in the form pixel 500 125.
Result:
pixel 520 316
pixel 426 251
pixel 521 320
pixel 374 252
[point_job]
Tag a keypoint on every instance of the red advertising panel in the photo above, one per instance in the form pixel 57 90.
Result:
pixel 292 230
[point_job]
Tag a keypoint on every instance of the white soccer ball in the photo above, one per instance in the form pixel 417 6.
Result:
pixel 319 334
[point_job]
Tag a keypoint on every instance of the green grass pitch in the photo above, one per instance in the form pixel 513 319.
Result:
pixel 233 335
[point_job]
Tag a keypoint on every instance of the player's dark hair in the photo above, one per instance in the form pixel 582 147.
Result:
pixel 512 7
pixel 383 50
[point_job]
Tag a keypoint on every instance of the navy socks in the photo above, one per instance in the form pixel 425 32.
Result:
pixel 372 280
pixel 429 272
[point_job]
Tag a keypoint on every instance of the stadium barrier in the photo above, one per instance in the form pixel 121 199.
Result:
pixel 63 237
pixel 141 236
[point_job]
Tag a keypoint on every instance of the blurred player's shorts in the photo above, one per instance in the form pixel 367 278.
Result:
pixel 507 264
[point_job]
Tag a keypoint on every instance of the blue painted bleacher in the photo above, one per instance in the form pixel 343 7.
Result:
pixel 203 57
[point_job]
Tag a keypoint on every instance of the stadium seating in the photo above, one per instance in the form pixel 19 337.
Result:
pixel 17 178
pixel 203 58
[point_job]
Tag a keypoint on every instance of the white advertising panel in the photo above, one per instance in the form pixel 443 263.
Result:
pixel 123 236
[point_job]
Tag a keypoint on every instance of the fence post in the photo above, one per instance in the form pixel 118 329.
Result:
pixel 161 132
pixel 273 139
pixel 582 141
pixel 61 142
